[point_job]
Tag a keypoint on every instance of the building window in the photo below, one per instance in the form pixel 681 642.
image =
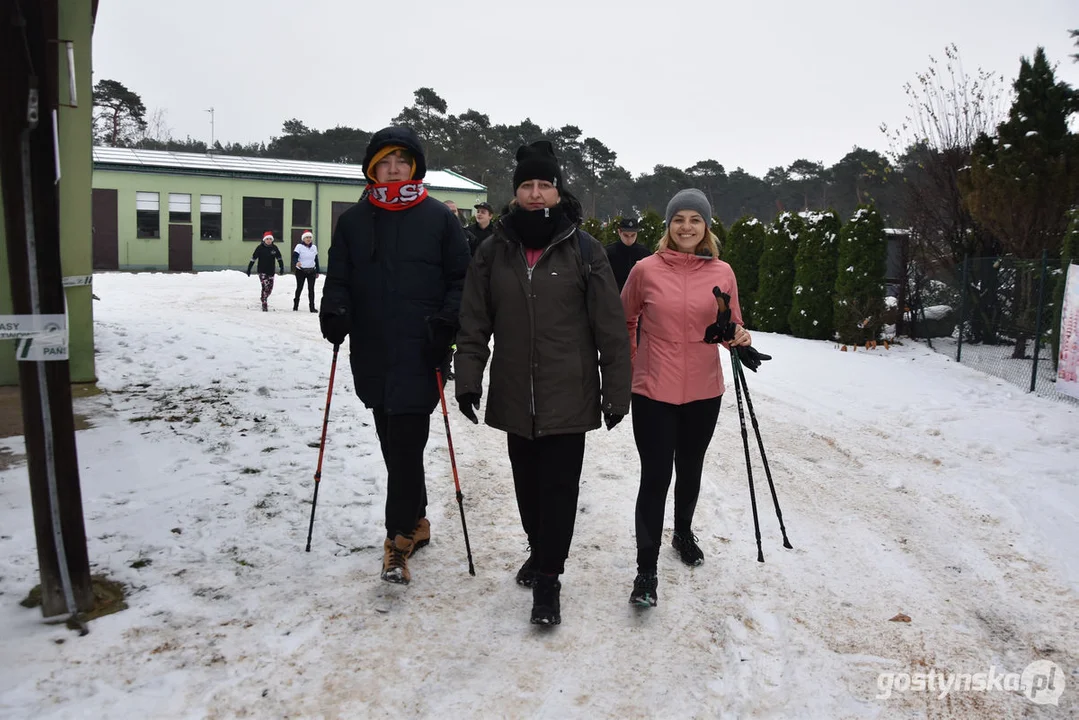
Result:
pixel 301 214
pixel 210 217
pixel 147 215
pixel 261 215
pixel 179 208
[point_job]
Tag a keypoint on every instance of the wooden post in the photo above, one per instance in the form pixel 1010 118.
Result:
pixel 28 55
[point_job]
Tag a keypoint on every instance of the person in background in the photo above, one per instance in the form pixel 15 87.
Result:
pixel 265 255
pixel 627 252
pixel 677 375
pixel 394 275
pixel 305 260
pixel 543 289
pixel 453 209
pixel 481 227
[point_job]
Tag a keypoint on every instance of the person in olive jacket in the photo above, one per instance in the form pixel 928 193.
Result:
pixel 395 272
pixel 544 289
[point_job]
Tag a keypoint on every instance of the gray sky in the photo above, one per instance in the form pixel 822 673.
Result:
pixel 750 84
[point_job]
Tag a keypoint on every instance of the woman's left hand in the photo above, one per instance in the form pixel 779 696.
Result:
pixel 741 337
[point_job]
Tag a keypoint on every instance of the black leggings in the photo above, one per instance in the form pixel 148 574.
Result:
pixel 669 437
pixel 547 477
pixel 305 275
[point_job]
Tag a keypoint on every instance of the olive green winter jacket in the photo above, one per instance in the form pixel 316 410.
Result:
pixel 561 353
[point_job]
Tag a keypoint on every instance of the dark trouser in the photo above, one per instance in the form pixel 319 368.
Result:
pixel 547 476
pixel 267 286
pixel 669 437
pixel 305 275
pixel 403 439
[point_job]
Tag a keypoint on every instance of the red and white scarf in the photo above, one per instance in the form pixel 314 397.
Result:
pixel 396 195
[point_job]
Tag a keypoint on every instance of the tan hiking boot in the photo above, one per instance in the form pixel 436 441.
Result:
pixel 395 559
pixel 422 534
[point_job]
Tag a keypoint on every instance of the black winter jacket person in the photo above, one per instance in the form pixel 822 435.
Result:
pixel 266 255
pixel 623 257
pixel 393 271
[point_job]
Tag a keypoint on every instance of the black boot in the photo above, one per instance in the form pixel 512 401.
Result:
pixel 295 304
pixel 526 576
pixel 546 608
pixel 313 308
pixel 687 547
pixel 644 590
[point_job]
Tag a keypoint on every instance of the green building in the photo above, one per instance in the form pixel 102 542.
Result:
pixel 74 140
pixel 155 210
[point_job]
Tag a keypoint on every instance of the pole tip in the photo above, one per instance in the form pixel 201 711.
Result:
pixel 787 544
pixel 760 556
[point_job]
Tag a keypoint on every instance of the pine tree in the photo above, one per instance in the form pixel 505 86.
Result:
pixel 1021 184
pixel 814 278
pixel 745 244
pixel 721 236
pixel 859 285
pixel 776 274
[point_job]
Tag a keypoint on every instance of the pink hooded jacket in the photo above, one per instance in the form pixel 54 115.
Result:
pixel 671 293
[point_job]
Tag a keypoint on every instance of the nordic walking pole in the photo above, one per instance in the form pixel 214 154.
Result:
pixel 737 367
pixel 741 377
pixel 322 446
pixel 453 464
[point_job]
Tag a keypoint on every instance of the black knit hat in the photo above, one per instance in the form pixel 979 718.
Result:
pixel 400 136
pixel 630 224
pixel 537 162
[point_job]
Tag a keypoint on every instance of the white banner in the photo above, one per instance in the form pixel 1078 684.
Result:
pixel 1068 362
pixel 13 327
pixel 78 280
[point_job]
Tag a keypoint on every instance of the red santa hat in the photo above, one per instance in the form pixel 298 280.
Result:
pixel 307 234
pixel 267 234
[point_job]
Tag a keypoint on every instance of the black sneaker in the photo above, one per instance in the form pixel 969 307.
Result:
pixel 545 600
pixel 526 576
pixel 688 549
pixel 644 590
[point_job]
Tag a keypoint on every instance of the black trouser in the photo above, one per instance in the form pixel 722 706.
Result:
pixel 547 476
pixel 669 437
pixel 305 275
pixel 403 439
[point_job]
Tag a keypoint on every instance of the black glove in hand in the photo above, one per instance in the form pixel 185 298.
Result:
pixel 611 419
pixel 335 324
pixel 722 330
pixel 469 403
pixel 750 358
pixel 440 335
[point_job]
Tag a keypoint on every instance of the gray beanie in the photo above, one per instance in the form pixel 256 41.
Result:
pixel 691 199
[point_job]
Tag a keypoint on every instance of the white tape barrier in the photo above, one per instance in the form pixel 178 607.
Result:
pixel 78 280
pixel 39 337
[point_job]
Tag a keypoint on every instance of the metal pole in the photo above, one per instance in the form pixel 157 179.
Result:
pixel 1038 321
pixel 962 309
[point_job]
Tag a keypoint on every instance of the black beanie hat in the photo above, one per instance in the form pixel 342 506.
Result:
pixel 537 162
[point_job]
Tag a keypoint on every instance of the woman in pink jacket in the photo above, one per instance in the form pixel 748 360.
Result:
pixel 677 377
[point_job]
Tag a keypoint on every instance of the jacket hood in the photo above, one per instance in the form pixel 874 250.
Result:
pixel 395 135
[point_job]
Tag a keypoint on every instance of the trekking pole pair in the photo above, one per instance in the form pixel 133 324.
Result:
pixel 727 333
pixel 449 441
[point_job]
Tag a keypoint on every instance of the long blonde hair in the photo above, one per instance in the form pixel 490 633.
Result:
pixel 710 244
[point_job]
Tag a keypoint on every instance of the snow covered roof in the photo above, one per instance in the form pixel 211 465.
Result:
pixel 149 160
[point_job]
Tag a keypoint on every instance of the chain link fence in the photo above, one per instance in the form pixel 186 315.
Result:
pixel 994 314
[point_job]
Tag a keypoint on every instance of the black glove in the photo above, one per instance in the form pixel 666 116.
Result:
pixel 750 358
pixel 440 334
pixel 467 402
pixel 335 324
pixel 612 419
pixel 722 330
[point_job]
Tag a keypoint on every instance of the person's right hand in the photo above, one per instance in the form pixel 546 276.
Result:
pixel 335 324
pixel 469 403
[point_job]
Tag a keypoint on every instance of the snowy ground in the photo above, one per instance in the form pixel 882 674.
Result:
pixel 909 484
